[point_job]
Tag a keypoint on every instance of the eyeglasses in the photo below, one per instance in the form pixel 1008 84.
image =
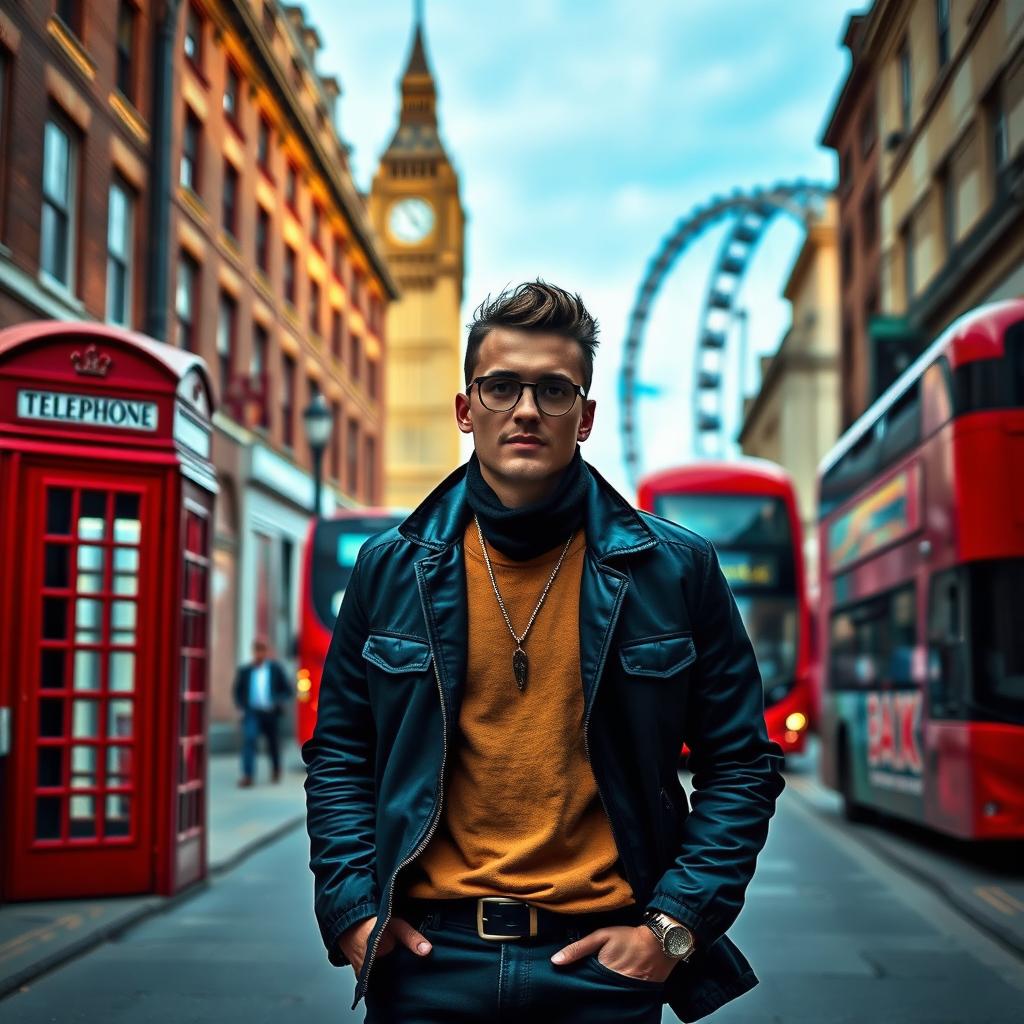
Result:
pixel 553 396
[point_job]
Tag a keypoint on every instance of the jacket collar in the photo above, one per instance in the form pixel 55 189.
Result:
pixel 613 527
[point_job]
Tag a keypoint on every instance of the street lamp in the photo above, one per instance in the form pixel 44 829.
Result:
pixel 319 422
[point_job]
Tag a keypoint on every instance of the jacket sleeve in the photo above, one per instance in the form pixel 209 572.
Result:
pixel 340 803
pixel 736 769
pixel 236 689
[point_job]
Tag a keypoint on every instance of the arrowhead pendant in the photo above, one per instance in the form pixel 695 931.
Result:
pixel 520 667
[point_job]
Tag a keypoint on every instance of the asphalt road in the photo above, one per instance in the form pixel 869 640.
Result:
pixel 834 931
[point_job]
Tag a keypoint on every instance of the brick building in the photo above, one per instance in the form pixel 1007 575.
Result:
pixel 259 257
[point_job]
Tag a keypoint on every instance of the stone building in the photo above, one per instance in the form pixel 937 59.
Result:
pixel 415 208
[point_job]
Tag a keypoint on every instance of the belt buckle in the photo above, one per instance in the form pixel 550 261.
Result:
pixel 502 899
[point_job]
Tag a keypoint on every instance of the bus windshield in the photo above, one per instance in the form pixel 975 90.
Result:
pixel 336 544
pixel 754 543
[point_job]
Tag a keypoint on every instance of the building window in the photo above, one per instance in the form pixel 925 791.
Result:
pixel 336 334
pixel 357 289
pixel 263 144
pixel 194 36
pixel 906 87
pixel 229 200
pixel 942 31
pixel 70 12
pixel 226 316
pixel 372 379
pixel 290 261
pixel 127 16
pixel 947 194
pixel 269 21
pixel 339 251
pixel 907 245
pixel 191 142
pixel 60 173
pixel 315 224
pixel 185 301
pixel 120 220
pixel 232 90
pixel 996 117
pixel 291 186
pixel 335 452
pixel 352 457
pixel 314 306
pixel 262 239
pixel 355 356
pixel 287 400
pixel 258 368
pixel 370 470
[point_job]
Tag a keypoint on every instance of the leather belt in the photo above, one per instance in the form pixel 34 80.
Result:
pixel 504 919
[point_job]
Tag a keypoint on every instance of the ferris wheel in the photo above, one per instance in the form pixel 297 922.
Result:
pixel 749 215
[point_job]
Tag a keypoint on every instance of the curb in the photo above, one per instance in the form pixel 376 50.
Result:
pixel 10 984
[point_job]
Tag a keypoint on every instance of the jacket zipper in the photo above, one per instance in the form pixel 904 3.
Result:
pixel 423 843
pixel 586 748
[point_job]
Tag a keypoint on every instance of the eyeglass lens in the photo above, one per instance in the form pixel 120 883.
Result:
pixel 554 397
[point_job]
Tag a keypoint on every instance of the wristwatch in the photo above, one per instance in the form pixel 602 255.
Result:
pixel 676 939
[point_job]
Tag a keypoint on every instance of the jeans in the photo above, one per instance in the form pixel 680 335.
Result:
pixel 467 979
pixel 254 724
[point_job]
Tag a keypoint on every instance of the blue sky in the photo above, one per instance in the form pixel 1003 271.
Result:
pixel 583 130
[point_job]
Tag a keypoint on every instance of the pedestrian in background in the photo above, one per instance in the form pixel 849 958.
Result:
pixel 497 826
pixel 261 692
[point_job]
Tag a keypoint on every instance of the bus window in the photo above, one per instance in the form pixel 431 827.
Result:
pixel 937 398
pixel 946 669
pixel 902 430
pixel 997 632
pixel 873 642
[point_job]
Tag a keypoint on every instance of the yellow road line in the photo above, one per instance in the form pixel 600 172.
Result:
pixel 992 898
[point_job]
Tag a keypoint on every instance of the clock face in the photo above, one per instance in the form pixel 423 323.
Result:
pixel 411 220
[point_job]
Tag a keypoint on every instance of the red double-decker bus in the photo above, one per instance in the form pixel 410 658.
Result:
pixel 747 509
pixel 327 561
pixel 921 540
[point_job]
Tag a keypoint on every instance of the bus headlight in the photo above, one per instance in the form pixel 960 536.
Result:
pixel 796 722
pixel 303 684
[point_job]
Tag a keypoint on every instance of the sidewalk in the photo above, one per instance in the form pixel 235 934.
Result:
pixel 34 937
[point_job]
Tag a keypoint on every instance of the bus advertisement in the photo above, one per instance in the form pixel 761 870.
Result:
pixel 329 556
pixel 747 509
pixel 921 617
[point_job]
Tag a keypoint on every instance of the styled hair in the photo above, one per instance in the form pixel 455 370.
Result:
pixel 536 307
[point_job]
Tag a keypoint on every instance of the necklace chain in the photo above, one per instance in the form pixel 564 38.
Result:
pixel 494 583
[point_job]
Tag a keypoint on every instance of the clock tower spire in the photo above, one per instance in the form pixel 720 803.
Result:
pixel 417 213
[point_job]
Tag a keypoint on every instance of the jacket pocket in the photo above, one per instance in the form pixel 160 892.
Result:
pixel 659 656
pixel 397 654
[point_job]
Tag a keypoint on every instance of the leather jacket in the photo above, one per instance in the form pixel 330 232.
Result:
pixel 664 659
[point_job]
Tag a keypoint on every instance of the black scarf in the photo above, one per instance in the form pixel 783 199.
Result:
pixel 530 530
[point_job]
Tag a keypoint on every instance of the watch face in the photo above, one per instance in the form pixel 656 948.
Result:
pixel 411 220
pixel 678 941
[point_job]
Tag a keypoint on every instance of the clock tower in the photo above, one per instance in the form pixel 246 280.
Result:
pixel 415 210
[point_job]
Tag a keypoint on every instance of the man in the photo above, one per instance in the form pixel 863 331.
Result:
pixel 492 792
pixel 261 691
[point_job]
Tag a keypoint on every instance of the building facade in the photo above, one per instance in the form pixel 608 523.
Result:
pixel 949 81
pixel 852 131
pixel 416 211
pixel 794 419
pixel 260 258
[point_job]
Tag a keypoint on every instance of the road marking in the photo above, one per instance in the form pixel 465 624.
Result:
pixel 998 898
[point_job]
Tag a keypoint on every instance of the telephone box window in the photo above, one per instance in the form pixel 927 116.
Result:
pixel 90 569
pixel 87 670
pixel 58 571
pixel 52 669
pixel 83 767
pixel 121 671
pixel 55 618
pixel 48 817
pixel 51 717
pixel 51 768
pixel 58 511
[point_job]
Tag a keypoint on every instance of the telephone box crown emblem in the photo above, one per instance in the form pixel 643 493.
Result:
pixel 91 363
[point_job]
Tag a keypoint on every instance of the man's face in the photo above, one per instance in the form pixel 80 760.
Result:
pixel 259 652
pixel 523 451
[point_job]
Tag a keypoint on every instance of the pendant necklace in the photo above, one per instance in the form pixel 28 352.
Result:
pixel 520 663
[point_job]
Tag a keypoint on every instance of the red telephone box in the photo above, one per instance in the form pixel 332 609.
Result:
pixel 106 512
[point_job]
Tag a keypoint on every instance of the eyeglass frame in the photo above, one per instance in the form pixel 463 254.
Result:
pixel 523 385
